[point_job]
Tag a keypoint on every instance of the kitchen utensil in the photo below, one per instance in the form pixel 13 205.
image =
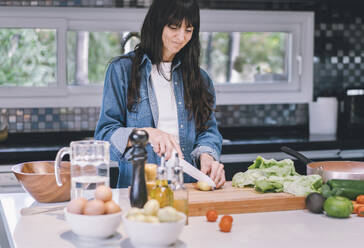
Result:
pixel 196 173
pixel 232 200
pixel 93 226
pixel 330 169
pixel 90 162
pixel 39 210
pixel 145 234
pixel 37 178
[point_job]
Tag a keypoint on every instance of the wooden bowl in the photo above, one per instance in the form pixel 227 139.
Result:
pixel 38 179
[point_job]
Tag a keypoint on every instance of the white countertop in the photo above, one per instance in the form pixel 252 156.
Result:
pixel 284 229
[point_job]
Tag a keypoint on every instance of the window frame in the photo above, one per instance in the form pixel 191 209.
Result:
pixel 301 27
pixel 299 24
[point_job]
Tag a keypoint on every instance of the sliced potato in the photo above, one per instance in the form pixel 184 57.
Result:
pixel 204 186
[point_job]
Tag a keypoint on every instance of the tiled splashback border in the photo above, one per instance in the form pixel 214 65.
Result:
pixel 261 115
pixel 85 119
pixel 51 119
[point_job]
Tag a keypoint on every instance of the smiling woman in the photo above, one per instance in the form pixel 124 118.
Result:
pixel 161 80
pixel 174 38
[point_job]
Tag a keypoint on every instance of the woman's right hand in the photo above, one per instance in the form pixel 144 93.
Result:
pixel 163 143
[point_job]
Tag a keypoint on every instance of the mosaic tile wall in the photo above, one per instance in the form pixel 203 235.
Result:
pixel 262 115
pixel 51 119
pixel 338 64
pixel 85 119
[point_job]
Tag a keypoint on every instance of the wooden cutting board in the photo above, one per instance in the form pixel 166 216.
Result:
pixel 231 200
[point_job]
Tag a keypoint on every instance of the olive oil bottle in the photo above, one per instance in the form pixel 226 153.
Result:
pixel 150 177
pixel 180 193
pixel 161 191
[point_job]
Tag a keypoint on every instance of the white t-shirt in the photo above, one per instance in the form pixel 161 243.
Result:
pixel 168 119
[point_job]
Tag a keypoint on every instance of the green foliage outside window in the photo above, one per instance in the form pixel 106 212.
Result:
pixel 27 57
pixel 102 47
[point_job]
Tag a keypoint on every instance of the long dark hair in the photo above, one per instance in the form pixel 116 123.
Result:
pixel 198 100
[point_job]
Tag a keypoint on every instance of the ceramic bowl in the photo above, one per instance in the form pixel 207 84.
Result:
pixel 144 234
pixel 93 226
pixel 38 179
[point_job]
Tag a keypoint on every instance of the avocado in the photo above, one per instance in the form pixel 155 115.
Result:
pixel 315 202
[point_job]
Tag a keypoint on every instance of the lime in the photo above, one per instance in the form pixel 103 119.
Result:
pixel 338 206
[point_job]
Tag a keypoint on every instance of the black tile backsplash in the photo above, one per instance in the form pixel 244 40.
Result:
pixel 338 64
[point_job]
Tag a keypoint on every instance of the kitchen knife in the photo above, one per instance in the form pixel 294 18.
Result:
pixel 195 173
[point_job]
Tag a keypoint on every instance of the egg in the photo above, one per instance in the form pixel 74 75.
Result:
pixel 111 207
pixel 103 193
pixel 77 205
pixel 94 207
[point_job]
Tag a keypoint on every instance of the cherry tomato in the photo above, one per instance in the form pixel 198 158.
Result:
pixel 227 217
pixel 360 211
pixel 225 225
pixel 211 215
pixel 360 199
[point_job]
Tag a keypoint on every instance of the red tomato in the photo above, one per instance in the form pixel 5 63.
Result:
pixel 227 217
pixel 360 199
pixel 211 215
pixel 360 211
pixel 225 225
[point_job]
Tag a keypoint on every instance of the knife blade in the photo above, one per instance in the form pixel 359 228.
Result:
pixel 196 173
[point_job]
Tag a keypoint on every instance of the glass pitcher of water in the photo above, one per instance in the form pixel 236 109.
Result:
pixel 90 161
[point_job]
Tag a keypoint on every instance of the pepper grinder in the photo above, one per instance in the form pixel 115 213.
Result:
pixel 138 191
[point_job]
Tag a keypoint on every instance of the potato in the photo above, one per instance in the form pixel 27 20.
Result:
pixel 134 211
pixel 201 185
pixel 168 214
pixel 151 219
pixel 151 207
pixel 137 217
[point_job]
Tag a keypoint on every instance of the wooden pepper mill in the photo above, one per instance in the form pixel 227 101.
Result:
pixel 138 191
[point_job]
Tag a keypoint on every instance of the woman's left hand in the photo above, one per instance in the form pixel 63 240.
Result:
pixel 213 168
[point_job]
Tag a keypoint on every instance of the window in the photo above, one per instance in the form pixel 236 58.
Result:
pixel 18 47
pixel 246 57
pixel 259 56
pixel 57 57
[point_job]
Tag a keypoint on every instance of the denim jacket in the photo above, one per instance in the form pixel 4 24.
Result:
pixel 116 122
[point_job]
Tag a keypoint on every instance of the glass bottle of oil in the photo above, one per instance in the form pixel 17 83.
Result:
pixel 161 191
pixel 150 177
pixel 180 193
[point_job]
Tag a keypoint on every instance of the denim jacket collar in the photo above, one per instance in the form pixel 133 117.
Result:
pixel 147 59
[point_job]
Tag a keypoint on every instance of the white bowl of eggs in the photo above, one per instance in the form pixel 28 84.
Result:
pixel 97 218
pixel 153 227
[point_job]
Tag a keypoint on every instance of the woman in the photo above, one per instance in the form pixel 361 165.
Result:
pixel 159 87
